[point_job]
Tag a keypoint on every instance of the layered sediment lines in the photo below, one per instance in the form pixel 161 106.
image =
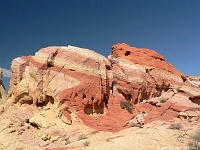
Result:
pixel 84 82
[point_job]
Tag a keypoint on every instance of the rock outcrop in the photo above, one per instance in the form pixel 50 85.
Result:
pixel 194 80
pixel 141 73
pixel 81 81
pixel 3 94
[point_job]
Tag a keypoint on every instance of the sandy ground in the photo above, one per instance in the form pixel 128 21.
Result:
pixel 154 136
pixel 17 134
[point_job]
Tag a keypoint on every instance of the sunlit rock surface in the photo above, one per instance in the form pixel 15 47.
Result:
pixel 81 81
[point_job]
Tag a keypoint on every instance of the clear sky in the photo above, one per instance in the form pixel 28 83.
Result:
pixel 171 27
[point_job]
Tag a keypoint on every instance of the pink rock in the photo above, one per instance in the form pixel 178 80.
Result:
pixel 93 86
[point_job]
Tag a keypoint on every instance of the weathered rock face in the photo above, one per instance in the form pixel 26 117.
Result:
pixel 142 73
pixel 74 76
pixel 194 80
pixel 3 94
pixel 96 88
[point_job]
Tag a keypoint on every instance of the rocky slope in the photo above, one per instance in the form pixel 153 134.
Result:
pixel 3 94
pixel 75 91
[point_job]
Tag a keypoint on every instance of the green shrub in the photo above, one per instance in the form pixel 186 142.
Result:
pixel 126 105
pixel 82 137
pixel 176 126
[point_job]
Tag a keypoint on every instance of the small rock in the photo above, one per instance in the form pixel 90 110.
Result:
pixel 138 120
pixel 45 137
pixel 35 123
pixel 54 139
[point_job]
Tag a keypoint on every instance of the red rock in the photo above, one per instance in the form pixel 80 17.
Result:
pixel 145 57
pixel 93 86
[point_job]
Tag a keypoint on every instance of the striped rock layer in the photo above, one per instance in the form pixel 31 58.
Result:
pixel 84 82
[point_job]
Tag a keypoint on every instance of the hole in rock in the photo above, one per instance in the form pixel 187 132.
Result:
pixel 108 67
pixel 34 125
pixel 195 100
pixel 183 78
pixel 96 108
pixel 99 108
pixel 72 70
pixel 134 88
pixel 136 101
pixel 24 98
pixel 106 98
pixel 84 96
pixel 26 121
pixel 50 64
pixel 48 99
pixel 88 109
pixel 114 82
pixel 127 53
pixel 148 70
pixel 92 98
pixel 128 97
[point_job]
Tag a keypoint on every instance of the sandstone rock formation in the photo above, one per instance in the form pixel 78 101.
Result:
pixel 142 73
pixel 93 87
pixel 194 80
pixel 2 89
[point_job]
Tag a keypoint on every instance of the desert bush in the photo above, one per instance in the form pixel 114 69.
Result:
pixel 126 105
pixel 82 137
pixel 86 143
pixel 176 126
pixel 163 100
pixel 194 144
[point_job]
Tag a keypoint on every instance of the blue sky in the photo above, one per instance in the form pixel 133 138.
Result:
pixel 171 27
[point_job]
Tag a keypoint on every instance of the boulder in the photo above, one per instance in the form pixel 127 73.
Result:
pixel 137 121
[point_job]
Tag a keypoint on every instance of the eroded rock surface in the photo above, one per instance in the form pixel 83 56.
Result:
pixel 194 80
pixel 80 81
pixel 3 94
